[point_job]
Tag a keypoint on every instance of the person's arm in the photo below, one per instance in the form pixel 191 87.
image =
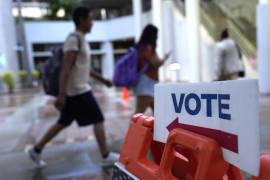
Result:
pixel 156 61
pixel 153 58
pixel 68 61
pixel 98 77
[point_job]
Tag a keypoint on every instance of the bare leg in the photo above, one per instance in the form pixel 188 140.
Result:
pixel 51 133
pixel 142 103
pixel 152 105
pixel 101 138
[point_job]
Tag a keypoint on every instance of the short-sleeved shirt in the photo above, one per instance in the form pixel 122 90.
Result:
pixel 78 82
pixel 227 58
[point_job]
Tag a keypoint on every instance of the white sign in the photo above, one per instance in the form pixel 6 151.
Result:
pixel 225 111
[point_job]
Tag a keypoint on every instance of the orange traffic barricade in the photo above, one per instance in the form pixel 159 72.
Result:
pixel 186 155
pixel 265 168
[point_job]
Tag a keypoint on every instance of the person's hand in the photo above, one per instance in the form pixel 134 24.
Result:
pixel 167 55
pixel 60 102
pixel 108 83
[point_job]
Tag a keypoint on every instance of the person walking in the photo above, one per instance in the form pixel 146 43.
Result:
pixel 75 100
pixel 228 63
pixel 148 59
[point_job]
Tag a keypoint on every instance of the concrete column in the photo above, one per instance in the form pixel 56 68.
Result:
pixel 157 16
pixel 263 44
pixel 8 54
pixel 193 38
pixel 23 43
pixel 157 21
pixel 137 13
pixel 169 39
pixel 107 60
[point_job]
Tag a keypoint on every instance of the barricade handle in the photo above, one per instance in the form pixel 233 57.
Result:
pixel 201 146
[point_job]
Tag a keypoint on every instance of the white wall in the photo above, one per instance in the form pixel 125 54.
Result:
pixel 7 36
pixel 57 31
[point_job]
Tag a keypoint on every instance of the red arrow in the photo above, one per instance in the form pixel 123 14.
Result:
pixel 226 140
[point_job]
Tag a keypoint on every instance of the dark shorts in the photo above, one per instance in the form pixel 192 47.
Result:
pixel 83 108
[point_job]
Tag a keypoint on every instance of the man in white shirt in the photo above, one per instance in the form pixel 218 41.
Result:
pixel 228 64
pixel 75 99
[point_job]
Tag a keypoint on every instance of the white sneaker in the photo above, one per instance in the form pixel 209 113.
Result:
pixel 35 157
pixel 110 159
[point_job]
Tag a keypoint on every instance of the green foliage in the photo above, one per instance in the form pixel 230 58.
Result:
pixel 67 5
pixel 9 79
pixel 35 74
pixel 22 75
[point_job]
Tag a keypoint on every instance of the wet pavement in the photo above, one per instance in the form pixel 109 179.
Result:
pixel 73 154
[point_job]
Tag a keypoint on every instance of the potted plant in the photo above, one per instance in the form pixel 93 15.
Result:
pixel 23 77
pixel 35 76
pixel 9 79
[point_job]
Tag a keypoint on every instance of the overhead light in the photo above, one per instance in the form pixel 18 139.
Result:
pixel 15 12
pixel 61 13
pixel 103 14
pixel 29 12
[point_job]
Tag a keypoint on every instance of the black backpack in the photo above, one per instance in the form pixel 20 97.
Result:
pixel 52 68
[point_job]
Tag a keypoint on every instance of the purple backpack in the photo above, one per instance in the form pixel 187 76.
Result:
pixel 126 72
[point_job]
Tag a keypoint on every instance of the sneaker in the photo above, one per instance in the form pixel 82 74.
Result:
pixel 35 157
pixel 110 159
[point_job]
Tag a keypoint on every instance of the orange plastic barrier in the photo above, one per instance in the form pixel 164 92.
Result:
pixel 265 168
pixel 234 173
pixel 125 94
pixel 186 155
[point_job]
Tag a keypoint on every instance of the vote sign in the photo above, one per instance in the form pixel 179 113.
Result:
pixel 225 111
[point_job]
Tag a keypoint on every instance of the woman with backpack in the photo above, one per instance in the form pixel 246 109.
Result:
pixel 149 61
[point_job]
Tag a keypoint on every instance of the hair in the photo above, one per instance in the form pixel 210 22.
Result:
pixel 78 13
pixel 224 34
pixel 149 36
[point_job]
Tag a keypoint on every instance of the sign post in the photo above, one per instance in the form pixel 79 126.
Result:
pixel 225 111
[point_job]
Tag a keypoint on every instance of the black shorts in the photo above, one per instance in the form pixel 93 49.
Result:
pixel 83 108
